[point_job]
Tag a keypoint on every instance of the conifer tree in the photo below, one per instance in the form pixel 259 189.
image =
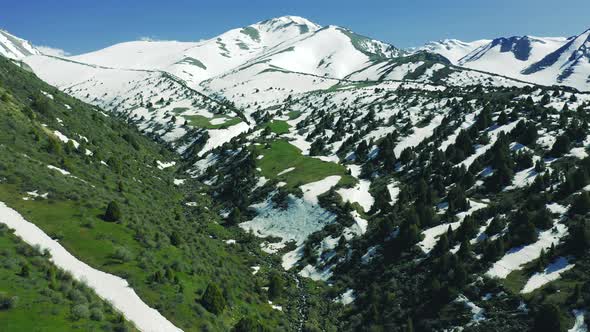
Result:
pixel 113 212
pixel 213 299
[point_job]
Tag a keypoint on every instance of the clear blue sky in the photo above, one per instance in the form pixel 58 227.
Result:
pixel 81 26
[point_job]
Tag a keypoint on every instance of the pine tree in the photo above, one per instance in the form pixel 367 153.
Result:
pixel 235 217
pixel 25 271
pixel 276 286
pixel 409 325
pixel 464 249
pixel 213 299
pixel 579 237
pixel 361 152
pixel 581 204
pixel 112 213
pixel 460 277
pixel 561 146
pixel 547 319
pixel 248 324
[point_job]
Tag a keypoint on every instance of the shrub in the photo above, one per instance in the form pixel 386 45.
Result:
pixel 7 301
pixel 80 311
pixel 96 314
pixel 122 254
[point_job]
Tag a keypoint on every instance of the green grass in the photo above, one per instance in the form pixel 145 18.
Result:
pixel 279 127
pixel 282 155
pixel 294 114
pixel 204 122
pixel 515 281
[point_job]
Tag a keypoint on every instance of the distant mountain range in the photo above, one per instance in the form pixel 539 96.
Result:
pixel 296 45
pixel 542 60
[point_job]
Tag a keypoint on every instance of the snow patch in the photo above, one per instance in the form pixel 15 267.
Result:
pixel 312 190
pixel 550 273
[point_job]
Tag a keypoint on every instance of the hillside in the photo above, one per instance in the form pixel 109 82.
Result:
pixel 64 162
pixel 287 176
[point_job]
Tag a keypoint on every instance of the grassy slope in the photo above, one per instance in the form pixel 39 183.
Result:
pixel 282 155
pixel 50 306
pixel 279 127
pixel 153 209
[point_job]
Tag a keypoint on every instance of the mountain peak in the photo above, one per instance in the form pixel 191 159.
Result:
pixel 288 20
pixel 15 48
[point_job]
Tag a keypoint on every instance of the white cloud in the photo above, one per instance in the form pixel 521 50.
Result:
pixel 52 51
pixel 147 38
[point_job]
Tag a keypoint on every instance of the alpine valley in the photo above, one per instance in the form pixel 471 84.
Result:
pixel 286 176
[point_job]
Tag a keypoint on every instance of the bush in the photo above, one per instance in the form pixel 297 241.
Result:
pixel 80 311
pixel 96 314
pixel 123 254
pixel 77 296
pixel 7 301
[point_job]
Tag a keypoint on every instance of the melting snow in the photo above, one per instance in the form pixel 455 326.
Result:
pixel 164 165
pixel 431 235
pixel 579 325
pixel 295 223
pixel 477 312
pixel 550 273
pixel 63 172
pixel 346 297
pixel 516 257
pixel 276 307
pixel 286 170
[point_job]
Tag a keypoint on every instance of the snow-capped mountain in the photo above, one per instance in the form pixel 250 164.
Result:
pixel 198 61
pixel 15 48
pixel 266 62
pixel 288 45
pixel 541 60
pixel 453 49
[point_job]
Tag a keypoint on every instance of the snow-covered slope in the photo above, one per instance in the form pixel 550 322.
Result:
pixel 569 64
pixel 15 48
pixel 310 62
pixel 268 60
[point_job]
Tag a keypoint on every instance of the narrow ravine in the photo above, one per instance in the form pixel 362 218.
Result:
pixel 301 304
pixel 111 288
